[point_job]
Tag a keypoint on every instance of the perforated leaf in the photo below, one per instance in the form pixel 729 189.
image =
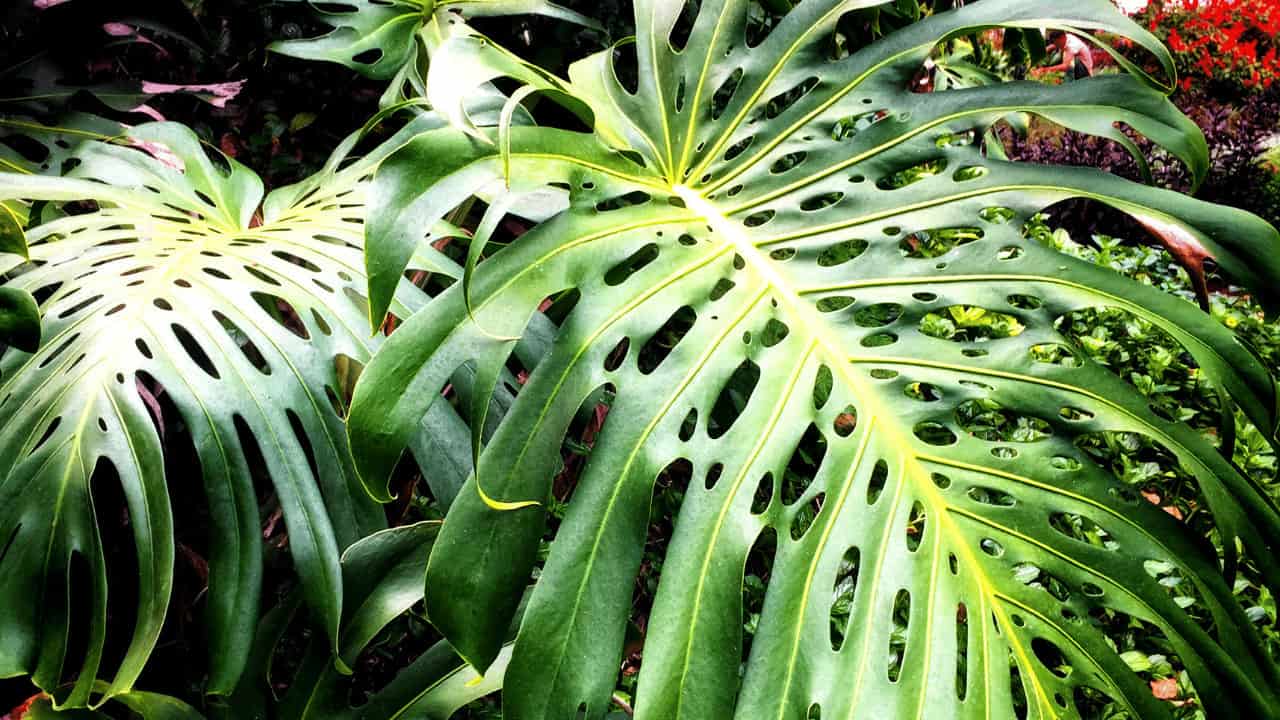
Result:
pixel 47 148
pixel 170 300
pixel 809 292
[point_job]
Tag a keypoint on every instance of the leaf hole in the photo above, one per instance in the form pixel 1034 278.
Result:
pixel 876 483
pixel 916 525
pixel 194 350
pixel 822 385
pixel 934 433
pixel 833 303
pixel 922 391
pixel 788 162
pixel 282 312
pixel 843 592
pixel 713 475
pixel 901 618
pixel 912 175
pixel 688 425
pixel 614 358
pixel 805 516
pixel 624 270
pixel 763 496
pixel 242 341
pixel 937 242
pixel 842 252
pixel 803 466
pixel 733 398
pixel 845 421
pixel 664 340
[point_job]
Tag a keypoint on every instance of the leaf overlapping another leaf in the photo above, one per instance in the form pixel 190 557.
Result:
pixel 393 40
pixel 805 215
pixel 158 282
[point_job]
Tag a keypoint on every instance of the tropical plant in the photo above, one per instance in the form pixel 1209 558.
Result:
pixel 176 301
pixel 393 40
pixel 382 576
pixel 807 291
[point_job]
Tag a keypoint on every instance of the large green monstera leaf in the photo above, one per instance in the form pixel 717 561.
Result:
pixel 170 281
pixel 763 238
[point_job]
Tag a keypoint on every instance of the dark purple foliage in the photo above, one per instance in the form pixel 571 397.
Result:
pixel 1235 132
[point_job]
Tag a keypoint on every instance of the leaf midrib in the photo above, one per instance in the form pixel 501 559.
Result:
pixel 812 325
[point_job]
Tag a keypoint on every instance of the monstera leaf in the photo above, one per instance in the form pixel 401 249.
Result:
pixel 764 237
pixel 157 282
pixel 392 40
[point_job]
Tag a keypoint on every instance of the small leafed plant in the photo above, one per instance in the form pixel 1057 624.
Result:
pixel 807 291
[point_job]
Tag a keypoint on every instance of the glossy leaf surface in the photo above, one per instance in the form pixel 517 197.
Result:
pixel 171 300
pixel 811 285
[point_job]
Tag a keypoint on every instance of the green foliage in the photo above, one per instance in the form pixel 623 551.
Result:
pixel 921 424
pixel 382 574
pixel 1161 367
pixel 393 40
pixel 773 388
pixel 176 302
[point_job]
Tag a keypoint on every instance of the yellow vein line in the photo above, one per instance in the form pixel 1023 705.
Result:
pixel 747 464
pixel 697 95
pixel 736 122
pixel 812 325
pixel 830 525
pixel 657 84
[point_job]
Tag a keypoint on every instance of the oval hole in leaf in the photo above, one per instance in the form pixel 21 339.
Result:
pixel 623 271
pixel 733 398
pixel 664 340
pixel 843 591
pixel 803 466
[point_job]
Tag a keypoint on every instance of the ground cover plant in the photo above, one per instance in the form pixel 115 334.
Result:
pixel 733 370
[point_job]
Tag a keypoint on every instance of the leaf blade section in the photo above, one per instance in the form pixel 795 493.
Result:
pixel 831 348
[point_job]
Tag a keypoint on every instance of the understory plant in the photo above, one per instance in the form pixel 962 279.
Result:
pixel 1220 42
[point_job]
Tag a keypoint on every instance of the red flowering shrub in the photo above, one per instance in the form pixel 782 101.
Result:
pixel 1233 41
